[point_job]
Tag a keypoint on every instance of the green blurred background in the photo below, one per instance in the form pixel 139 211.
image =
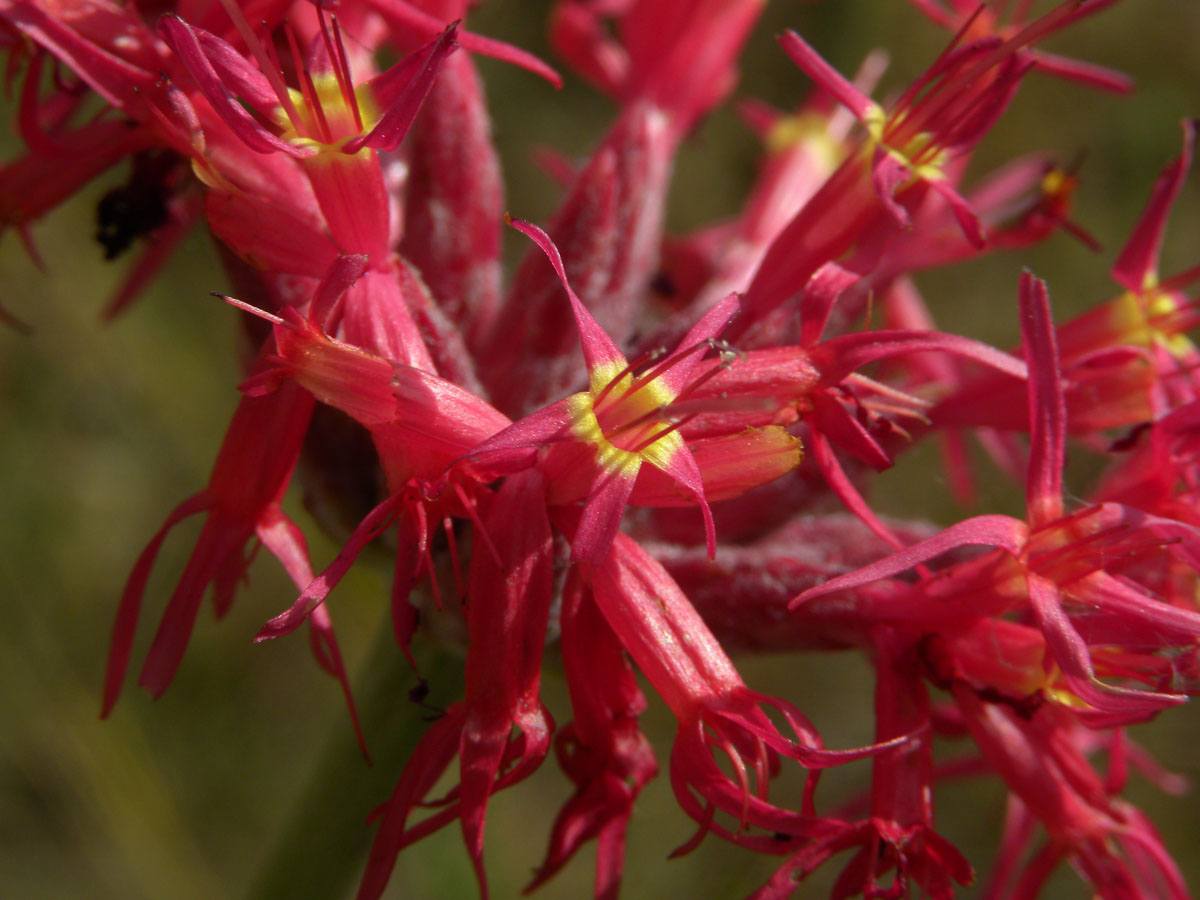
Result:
pixel 105 428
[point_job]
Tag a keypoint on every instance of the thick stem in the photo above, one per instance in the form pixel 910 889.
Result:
pixel 321 848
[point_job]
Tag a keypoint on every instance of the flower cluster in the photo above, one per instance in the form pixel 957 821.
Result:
pixel 654 450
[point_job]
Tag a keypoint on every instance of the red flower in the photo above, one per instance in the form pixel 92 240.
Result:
pixel 507 630
pixel 679 656
pixel 601 437
pixel 1053 556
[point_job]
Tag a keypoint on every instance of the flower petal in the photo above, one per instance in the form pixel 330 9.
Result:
pixel 1071 653
pixel 1047 410
pixel 988 531
pixel 599 352
pixel 1137 266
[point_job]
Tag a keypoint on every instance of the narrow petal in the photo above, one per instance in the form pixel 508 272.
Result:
pixel 218 548
pixel 888 175
pixel 286 543
pixel 602 751
pixel 368 529
pixel 964 215
pixel 125 623
pixel 696 343
pixel 405 96
pixel 1085 73
pixel 835 423
pixel 599 351
pixel 182 38
pixel 1137 266
pixel 986 531
pixel 1047 410
pixel 602 512
pixel 432 756
pixel 682 468
pixel 821 292
pixel 508 607
pixel 1071 653
pixel 236 72
pixel 845 490
pixel 839 356
pixel 511 445
pixel 115 79
pixel 580 38
pixel 825 75
pixel 407 19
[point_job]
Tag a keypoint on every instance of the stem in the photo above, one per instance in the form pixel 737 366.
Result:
pixel 322 846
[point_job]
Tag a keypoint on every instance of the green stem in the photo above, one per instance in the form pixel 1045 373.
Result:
pixel 322 847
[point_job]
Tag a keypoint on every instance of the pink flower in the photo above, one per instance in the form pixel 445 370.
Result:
pixel 1051 558
pixel 586 456
pixel 507 630
pixel 717 712
pixel 602 751
pixel 601 437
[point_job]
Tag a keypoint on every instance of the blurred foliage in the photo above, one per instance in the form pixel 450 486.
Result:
pixel 248 756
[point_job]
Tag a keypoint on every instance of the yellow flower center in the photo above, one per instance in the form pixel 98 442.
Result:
pixel 809 130
pixel 620 416
pixel 326 119
pixel 917 153
pixel 1137 316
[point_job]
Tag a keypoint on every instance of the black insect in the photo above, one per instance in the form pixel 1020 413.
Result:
pixel 138 207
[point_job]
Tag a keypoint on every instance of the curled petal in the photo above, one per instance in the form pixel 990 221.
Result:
pixel 599 351
pixel 1071 653
pixel 988 531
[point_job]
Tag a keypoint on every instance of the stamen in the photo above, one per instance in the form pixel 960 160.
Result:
pixel 1028 35
pixel 624 427
pixel 705 826
pixel 915 115
pixel 651 375
pixel 311 99
pixel 628 370
pixel 341 69
pixel 728 358
pixel 423 551
pixel 672 360
pixel 907 400
pixel 1180 281
pixel 1178 320
pixel 455 563
pixel 675 426
pixel 269 64
pixel 478 522
pixel 246 307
